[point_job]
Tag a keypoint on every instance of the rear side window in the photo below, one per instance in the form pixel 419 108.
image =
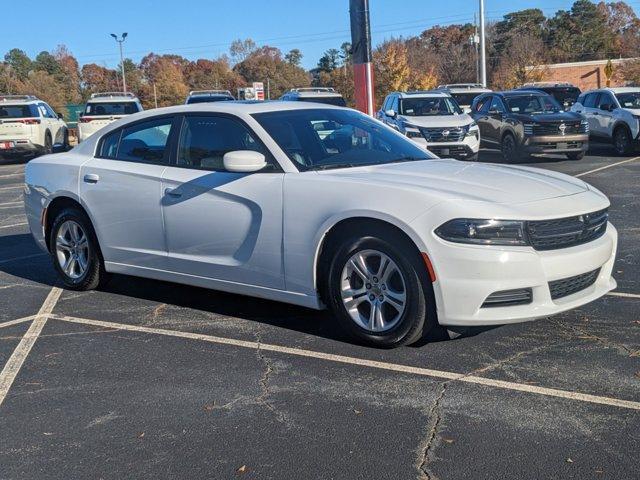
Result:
pixel 111 108
pixel 18 111
pixel 204 140
pixel 144 142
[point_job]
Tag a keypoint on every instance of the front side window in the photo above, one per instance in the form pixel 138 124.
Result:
pixel 605 100
pixel 629 100
pixel 348 139
pixel 143 142
pixel 110 108
pixel 591 100
pixel 204 140
pixel 483 104
pixel 496 105
pixel 428 106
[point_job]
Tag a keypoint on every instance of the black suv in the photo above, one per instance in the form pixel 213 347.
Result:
pixel 565 93
pixel 522 122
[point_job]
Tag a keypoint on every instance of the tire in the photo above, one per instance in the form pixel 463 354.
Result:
pixel 48 144
pixel 63 243
pixel 472 158
pixel 575 155
pixel 65 140
pixel 509 149
pixel 405 276
pixel 622 141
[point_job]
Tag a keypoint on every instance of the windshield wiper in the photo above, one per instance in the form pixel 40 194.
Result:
pixel 340 165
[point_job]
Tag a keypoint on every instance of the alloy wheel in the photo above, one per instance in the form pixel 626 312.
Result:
pixel 72 249
pixel 373 290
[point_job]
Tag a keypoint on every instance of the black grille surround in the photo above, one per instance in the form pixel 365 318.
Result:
pixel 568 286
pixel 437 135
pixel 559 128
pixel 567 232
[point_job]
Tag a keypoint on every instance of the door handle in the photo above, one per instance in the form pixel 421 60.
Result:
pixel 91 178
pixel 172 193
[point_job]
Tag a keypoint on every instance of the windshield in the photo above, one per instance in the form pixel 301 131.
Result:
pixel 111 108
pixel 337 101
pixel 465 99
pixel 324 138
pixel 17 111
pixel 209 98
pixel 532 104
pixel 629 100
pixel 428 106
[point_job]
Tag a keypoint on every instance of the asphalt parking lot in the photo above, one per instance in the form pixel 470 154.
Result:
pixel 146 379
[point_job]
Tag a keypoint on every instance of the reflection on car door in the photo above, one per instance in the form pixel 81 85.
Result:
pixel 590 111
pixel 222 225
pixel 481 116
pixel 495 120
pixel 121 189
pixel 605 119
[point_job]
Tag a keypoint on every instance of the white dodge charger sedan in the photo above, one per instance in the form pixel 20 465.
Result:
pixel 320 206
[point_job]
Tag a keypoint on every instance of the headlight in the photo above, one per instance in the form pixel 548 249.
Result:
pixel 483 231
pixel 411 131
pixel 472 129
pixel 584 126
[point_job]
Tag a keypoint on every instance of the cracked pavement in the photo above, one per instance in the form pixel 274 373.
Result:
pixel 97 401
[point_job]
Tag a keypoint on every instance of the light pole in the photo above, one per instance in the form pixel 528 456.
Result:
pixel 474 40
pixel 120 42
pixel 483 60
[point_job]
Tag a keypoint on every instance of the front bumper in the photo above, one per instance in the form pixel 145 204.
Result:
pixel 556 143
pixel 467 274
pixel 459 150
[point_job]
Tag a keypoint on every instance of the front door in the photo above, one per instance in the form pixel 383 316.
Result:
pixel 222 225
pixel 121 188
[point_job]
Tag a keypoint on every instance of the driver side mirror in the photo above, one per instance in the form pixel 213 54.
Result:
pixel 60 116
pixel 390 113
pixel 244 161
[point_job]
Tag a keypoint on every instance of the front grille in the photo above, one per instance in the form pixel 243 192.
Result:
pixel 556 128
pixel 568 286
pixel 509 298
pixel 437 135
pixel 567 232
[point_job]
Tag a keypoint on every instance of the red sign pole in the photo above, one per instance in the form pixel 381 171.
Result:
pixel 361 55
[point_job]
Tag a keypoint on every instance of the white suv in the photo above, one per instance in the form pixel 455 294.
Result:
pixel 613 115
pixel 104 108
pixel 433 120
pixel 464 93
pixel 29 127
pixel 326 95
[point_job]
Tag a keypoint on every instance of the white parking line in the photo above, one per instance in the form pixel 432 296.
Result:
pixel 26 257
pixel 14 225
pixel 623 295
pixel 17 321
pixel 16 187
pixel 12 175
pixel 8 204
pixel 608 166
pixel 425 372
pixel 19 355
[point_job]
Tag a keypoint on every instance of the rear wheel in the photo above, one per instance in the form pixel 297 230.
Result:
pixel 622 141
pixel 509 148
pixel 575 155
pixel 75 250
pixel 376 290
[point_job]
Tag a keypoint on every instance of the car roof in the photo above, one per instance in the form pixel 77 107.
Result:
pixel 423 94
pixel 615 90
pixel 311 92
pixel 19 100
pixel 520 92
pixel 107 97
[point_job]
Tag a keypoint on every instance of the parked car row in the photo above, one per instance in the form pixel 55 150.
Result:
pixel 453 120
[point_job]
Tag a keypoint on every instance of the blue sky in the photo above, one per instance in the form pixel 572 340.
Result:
pixel 204 29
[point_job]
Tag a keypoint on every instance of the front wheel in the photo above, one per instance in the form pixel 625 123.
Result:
pixel 75 251
pixel 509 148
pixel 622 141
pixel 377 291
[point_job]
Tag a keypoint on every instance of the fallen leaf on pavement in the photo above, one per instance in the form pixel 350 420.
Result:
pixel 243 469
pixel 141 434
pixel 448 440
pixel 569 460
pixel 209 406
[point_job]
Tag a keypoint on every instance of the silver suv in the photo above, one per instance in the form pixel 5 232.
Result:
pixel 326 95
pixel 433 120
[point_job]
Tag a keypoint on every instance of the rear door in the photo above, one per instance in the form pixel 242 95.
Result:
pixel 121 189
pixel 481 116
pixel 222 225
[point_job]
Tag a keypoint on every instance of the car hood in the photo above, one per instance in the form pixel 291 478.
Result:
pixel 453 179
pixel 438 121
pixel 550 117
